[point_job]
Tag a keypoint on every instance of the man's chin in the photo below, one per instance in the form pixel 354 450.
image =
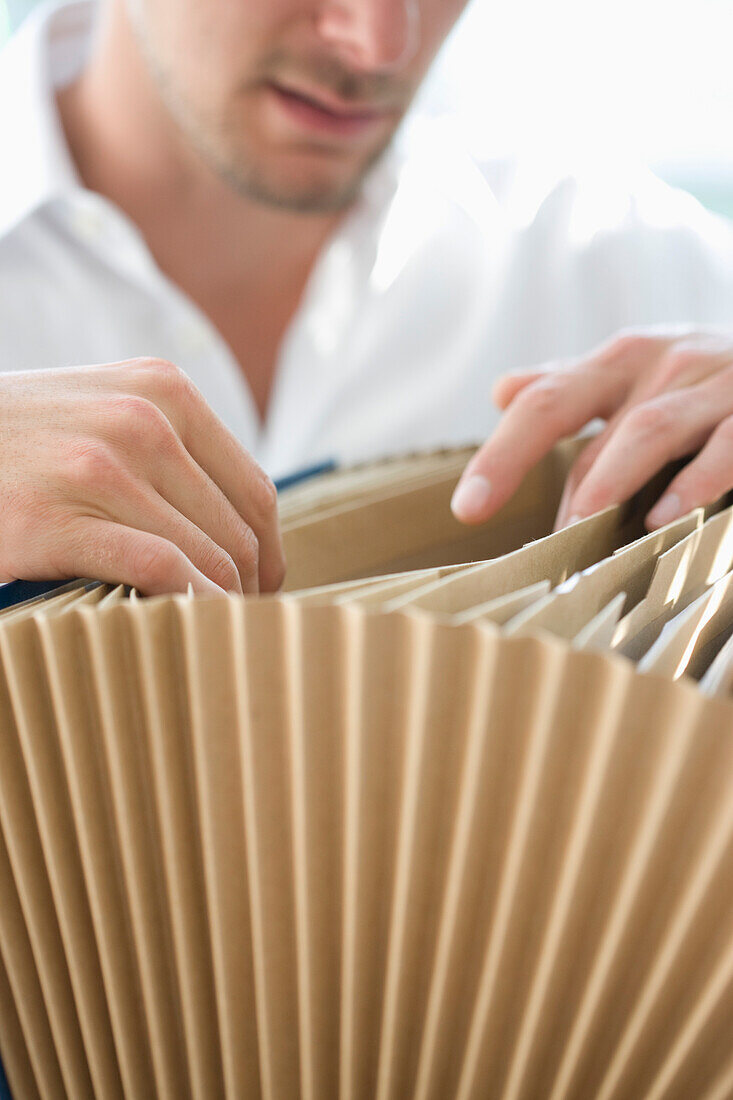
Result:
pixel 301 197
pixel 305 188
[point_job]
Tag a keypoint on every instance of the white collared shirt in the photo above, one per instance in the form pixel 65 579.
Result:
pixel 447 274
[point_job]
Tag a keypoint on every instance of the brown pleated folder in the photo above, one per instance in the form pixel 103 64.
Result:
pixel 452 818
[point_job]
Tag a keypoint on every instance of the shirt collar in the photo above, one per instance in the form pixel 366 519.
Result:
pixel 45 54
pixel 50 50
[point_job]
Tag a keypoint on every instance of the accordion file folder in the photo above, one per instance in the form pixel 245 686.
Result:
pixel 453 817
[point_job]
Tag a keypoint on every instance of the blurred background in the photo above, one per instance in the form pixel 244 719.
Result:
pixel 645 80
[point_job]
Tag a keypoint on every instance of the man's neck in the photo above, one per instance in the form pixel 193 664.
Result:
pixel 207 238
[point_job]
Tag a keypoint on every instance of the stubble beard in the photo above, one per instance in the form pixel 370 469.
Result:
pixel 252 181
pixel 242 172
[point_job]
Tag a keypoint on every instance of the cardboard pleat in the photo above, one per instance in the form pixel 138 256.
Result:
pixel 78 720
pixel 261 699
pixel 504 608
pixel 384 590
pixel 401 834
pixel 681 575
pixel 569 609
pixel 20 1066
pixel 440 702
pixel 168 722
pixel 19 852
pixel 213 665
pixel 316 723
pixel 116 670
pixel 598 633
pixel 552 558
pixel 378 663
pixel 685 638
pixel 76 588
pixel 318 851
pixel 718 677
pixel 41 846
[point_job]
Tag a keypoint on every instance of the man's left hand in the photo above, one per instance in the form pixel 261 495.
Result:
pixel 663 396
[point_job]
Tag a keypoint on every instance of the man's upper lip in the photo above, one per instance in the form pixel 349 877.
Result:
pixel 335 106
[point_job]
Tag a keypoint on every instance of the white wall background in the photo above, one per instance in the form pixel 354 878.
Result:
pixel 647 79
pixel 654 76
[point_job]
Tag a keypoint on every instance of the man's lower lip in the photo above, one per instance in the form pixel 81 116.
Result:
pixel 310 116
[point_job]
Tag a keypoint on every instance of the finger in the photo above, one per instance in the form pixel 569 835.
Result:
pixel 96 477
pixel 154 515
pixel 194 495
pixel 232 468
pixel 249 490
pixel 545 411
pixel 687 362
pixel 143 432
pixel 677 366
pixel 111 552
pixel 704 480
pixel 219 453
pixel 578 470
pixel 583 464
pixel 648 437
pixel 507 387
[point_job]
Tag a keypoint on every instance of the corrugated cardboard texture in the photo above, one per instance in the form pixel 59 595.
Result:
pixel 410 836
pixel 264 848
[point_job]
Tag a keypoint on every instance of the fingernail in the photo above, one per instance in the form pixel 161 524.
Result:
pixel 667 509
pixel 472 498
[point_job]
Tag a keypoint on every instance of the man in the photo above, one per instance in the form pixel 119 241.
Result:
pixel 205 197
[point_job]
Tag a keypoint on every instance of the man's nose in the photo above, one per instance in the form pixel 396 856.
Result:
pixel 373 35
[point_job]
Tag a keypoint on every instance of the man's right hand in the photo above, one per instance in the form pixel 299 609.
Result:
pixel 122 473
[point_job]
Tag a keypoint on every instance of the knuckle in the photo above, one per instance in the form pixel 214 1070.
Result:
pixel 163 369
pixel 170 374
pixel 92 464
pixel 678 362
pixel 219 566
pixel 248 550
pixel 164 377
pixel 625 346
pixel 172 381
pixel 651 420
pixel 263 496
pixel 545 398
pixel 139 419
pixel 153 562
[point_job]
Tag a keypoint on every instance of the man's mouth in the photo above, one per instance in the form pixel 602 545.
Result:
pixel 323 113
